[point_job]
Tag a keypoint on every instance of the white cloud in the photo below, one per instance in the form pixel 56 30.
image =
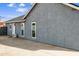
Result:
pixel 22 10
pixel 11 5
pixel 21 5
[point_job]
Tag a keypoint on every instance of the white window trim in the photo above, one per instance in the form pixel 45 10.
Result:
pixel 35 30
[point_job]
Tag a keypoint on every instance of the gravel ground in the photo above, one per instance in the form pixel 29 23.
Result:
pixel 20 47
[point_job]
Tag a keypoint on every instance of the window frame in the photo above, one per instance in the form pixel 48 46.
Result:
pixel 33 27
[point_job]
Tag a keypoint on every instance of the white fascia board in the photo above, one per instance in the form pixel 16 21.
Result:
pixel 15 21
pixel 29 10
pixel 72 6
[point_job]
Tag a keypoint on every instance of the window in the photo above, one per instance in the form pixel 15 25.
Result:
pixel 33 29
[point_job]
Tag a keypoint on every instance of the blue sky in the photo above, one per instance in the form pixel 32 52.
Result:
pixel 12 10
pixel 77 4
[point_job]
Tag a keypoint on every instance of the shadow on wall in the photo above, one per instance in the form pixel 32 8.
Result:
pixel 27 44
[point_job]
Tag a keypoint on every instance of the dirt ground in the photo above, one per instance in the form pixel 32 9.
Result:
pixel 21 47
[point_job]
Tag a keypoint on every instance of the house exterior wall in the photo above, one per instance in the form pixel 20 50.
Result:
pixel 17 29
pixel 56 24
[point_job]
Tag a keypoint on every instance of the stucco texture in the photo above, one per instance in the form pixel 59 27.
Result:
pixel 56 24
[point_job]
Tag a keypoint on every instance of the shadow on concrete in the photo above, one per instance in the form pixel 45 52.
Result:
pixel 28 44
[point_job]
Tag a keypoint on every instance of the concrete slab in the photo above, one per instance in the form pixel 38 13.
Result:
pixel 20 47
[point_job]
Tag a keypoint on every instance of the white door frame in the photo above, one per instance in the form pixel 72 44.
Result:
pixel 13 30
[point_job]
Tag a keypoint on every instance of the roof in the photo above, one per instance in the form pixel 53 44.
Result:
pixel 17 19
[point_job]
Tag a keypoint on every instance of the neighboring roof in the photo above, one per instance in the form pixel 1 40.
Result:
pixel 2 24
pixel 17 19
pixel 72 5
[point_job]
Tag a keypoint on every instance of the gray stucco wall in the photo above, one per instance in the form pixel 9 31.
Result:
pixel 18 29
pixel 56 24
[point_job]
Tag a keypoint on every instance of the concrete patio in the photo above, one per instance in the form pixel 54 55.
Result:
pixel 20 47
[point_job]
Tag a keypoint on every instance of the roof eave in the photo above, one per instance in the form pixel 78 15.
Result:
pixel 29 10
pixel 72 6
pixel 16 21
